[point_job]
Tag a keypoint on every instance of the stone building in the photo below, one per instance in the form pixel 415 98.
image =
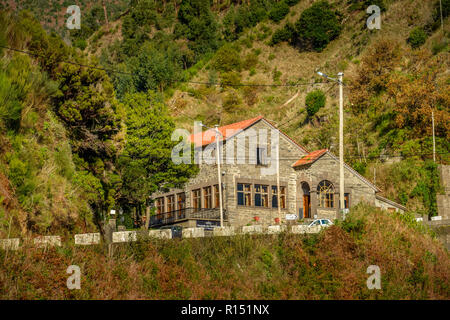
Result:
pixel 305 184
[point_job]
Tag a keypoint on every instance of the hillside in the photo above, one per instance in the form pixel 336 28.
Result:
pixel 387 126
pixel 329 265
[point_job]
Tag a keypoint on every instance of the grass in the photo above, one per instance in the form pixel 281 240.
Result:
pixel 329 265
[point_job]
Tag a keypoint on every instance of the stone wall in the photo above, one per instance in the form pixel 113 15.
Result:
pixel 124 236
pixel 45 241
pixel 131 236
pixel 87 238
pixel 193 233
pixel 10 244
pixel 327 168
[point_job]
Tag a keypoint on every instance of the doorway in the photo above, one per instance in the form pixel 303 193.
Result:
pixel 306 200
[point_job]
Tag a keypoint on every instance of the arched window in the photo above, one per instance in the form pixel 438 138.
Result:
pixel 325 194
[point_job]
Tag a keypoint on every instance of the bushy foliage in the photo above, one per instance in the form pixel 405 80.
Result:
pixel 227 59
pixel 287 33
pixel 146 164
pixel 417 37
pixel 197 23
pixel 317 26
pixel 279 11
pixel 314 101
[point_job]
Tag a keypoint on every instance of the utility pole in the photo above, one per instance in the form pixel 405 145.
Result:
pixel 375 175
pixel 278 181
pixel 341 142
pixel 219 175
pixel 341 138
pixel 434 141
pixel 442 19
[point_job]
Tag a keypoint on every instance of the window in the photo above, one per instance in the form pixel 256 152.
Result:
pixel 274 197
pixel 244 194
pixel 159 206
pixel 171 203
pixel 196 200
pixel 181 202
pixel 261 156
pixel 346 200
pixel 325 194
pixel 261 195
pixel 282 197
pixel 207 198
pixel 216 196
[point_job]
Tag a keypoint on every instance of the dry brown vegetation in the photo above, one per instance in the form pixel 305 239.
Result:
pixel 331 265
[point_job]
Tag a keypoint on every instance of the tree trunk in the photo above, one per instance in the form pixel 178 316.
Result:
pixel 106 14
pixel 147 217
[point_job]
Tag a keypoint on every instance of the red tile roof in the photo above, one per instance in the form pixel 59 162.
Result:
pixel 227 131
pixel 310 157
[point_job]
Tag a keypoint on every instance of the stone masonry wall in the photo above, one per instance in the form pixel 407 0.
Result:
pixel 327 168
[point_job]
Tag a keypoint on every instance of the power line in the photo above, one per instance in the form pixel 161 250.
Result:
pixel 172 81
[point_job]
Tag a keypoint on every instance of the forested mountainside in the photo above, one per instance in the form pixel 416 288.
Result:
pixel 77 141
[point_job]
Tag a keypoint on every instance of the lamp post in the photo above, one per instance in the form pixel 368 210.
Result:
pixel 341 138
pixel 219 174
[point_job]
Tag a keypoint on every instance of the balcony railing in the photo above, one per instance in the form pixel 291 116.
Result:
pixel 186 214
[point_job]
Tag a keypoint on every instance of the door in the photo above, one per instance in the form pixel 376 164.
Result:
pixel 306 206
pixel 306 200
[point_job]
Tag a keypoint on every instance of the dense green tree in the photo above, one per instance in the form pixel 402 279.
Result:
pixel 317 26
pixel 145 164
pixel 417 37
pixel 197 23
pixel 154 68
pixel 314 101
pixel 279 11
pixel 287 33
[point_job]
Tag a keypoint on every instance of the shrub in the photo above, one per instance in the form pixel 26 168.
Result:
pixel 227 59
pixel 284 34
pixel 317 26
pixel 250 61
pixel 438 46
pixel 417 37
pixel 276 75
pixel 279 11
pixel 314 101
pixel 230 78
pixel 232 102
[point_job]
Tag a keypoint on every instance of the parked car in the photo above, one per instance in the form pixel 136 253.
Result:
pixel 321 222
pixel 177 231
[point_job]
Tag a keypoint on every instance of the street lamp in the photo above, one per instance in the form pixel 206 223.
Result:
pixel 219 175
pixel 341 137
